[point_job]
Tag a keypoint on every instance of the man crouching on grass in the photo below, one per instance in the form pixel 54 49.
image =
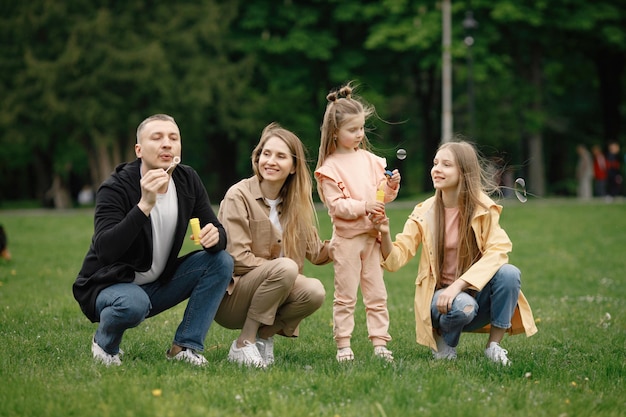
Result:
pixel 132 270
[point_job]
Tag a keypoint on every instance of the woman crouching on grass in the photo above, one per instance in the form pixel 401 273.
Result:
pixel 271 225
pixel 464 281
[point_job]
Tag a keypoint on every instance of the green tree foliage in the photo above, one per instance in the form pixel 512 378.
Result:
pixel 83 74
pixel 76 77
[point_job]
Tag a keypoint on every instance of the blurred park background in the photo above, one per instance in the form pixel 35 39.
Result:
pixel 531 79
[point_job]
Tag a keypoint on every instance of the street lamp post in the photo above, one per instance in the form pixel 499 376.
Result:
pixel 469 24
pixel 446 72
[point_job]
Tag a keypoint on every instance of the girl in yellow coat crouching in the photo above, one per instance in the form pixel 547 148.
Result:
pixel 464 280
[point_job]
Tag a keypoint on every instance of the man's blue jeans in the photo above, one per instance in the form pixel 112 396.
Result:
pixel 494 304
pixel 202 278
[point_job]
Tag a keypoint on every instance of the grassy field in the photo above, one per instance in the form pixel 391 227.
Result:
pixel 572 256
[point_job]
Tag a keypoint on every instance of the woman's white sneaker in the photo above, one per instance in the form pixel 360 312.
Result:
pixel 496 354
pixel 266 349
pixel 247 355
pixel 444 351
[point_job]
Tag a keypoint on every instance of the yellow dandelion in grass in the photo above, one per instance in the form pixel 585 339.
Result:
pixel 13 272
pixel 157 392
pixel 573 383
pixel 538 320
pixel 567 401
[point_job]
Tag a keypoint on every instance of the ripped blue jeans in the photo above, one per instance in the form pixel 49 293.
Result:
pixel 494 304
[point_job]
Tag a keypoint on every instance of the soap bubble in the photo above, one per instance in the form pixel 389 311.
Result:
pixel 401 154
pixel 520 190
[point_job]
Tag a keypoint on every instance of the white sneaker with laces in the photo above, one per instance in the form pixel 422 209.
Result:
pixel 345 355
pixel 444 351
pixel 266 349
pixel 496 354
pixel 105 358
pixel 247 355
pixel 188 355
pixel 383 353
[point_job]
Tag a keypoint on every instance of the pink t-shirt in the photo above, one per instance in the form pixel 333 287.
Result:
pixel 448 273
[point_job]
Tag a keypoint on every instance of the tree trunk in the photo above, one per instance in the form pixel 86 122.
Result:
pixel 426 96
pixel 610 67
pixel 536 175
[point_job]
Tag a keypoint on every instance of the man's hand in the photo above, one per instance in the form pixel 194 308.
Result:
pixel 209 236
pixel 151 183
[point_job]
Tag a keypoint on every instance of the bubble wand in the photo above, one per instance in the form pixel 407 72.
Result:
pixel 175 161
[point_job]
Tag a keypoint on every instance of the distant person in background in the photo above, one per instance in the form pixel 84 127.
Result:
pixel 614 170
pixel 599 171
pixel 584 173
pixel 4 249
pixel 85 196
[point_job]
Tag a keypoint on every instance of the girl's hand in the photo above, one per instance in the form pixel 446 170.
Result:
pixel 445 300
pixel 374 207
pixel 394 180
pixel 380 222
pixel 447 296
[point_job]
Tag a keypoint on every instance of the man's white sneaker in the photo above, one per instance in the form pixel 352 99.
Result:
pixel 105 358
pixel 444 351
pixel 496 354
pixel 383 353
pixel 247 355
pixel 266 349
pixel 188 355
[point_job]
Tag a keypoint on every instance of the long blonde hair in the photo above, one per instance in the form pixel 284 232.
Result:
pixel 342 104
pixel 474 181
pixel 298 216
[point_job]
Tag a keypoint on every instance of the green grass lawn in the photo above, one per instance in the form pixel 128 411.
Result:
pixel 572 256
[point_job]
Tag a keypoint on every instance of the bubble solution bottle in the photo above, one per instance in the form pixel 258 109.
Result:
pixel 380 192
pixel 195 229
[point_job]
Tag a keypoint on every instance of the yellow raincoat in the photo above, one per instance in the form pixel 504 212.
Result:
pixel 494 245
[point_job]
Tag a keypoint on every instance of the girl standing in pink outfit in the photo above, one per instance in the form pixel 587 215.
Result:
pixel 348 177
